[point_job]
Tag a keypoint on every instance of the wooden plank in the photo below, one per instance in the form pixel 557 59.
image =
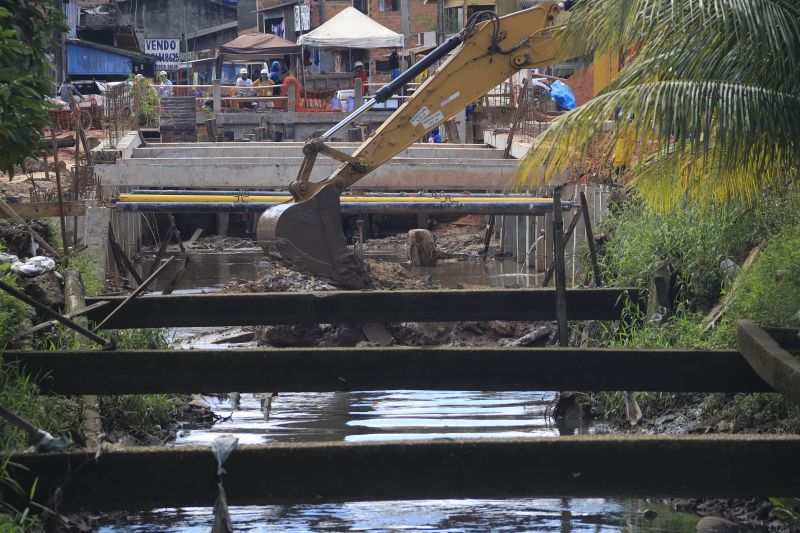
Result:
pixel 775 365
pixel 574 466
pixel 47 209
pixel 364 306
pixel 378 368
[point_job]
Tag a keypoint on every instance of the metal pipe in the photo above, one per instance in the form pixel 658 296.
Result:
pixel 353 208
pixel 346 199
pixel 232 192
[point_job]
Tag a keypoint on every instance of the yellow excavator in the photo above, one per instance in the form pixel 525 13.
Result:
pixel 307 231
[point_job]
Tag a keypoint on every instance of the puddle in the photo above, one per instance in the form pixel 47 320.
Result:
pixel 390 415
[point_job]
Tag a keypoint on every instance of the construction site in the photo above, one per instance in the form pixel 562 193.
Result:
pixel 523 282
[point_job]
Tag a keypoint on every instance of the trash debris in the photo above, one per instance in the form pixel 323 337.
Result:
pixel 632 409
pixel 38 439
pixel 8 258
pixel 35 266
pixel 222 447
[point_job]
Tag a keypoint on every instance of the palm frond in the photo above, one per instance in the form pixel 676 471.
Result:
pixel 743 134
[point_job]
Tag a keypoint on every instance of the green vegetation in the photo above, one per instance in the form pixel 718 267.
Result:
pixel 707 106
pixel 145 417
pixel 28 32
pixel 693 242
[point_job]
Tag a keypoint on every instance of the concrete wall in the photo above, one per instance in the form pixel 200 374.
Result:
pixel 165 19
pixel 246 16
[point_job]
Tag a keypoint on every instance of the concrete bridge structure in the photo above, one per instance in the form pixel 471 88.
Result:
pixel 268 165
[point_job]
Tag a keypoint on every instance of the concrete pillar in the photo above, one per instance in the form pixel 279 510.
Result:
pixel 422 247
pixel 508 238
pixel 519 255
pixel 95 236
pixel 216 92
pixel 223 221
pixel 547 249
pixel 358 88
pixel 291 102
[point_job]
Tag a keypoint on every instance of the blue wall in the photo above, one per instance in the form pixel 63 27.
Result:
pixel 85 61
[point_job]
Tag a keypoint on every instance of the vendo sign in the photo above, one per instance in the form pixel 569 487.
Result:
pixel 168 52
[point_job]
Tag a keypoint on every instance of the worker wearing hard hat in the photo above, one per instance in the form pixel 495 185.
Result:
pixel 360 73
pixel 260 84
pixel 165 86
pixel 244 84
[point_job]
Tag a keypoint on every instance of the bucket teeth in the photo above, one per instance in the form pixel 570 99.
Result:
pixel 308 235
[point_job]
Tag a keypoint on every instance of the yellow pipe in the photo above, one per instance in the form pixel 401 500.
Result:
pixel 345 199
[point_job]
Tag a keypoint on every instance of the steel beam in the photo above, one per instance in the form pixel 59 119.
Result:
pixel 351 208
pixel 362 306
pixel 351 369
pixel 578 466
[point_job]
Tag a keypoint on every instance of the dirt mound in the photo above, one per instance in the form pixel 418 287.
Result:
pixel 274 277
pixel 392 276
pixel 16 238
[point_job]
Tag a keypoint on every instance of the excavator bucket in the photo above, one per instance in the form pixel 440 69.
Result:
pixel 309 235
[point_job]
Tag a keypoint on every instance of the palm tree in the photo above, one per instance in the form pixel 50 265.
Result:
pixel 709 101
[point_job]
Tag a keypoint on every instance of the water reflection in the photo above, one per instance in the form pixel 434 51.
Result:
pixel 391 415
pixel 562 515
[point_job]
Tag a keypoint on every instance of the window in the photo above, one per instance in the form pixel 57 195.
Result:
pixel 362 5
pixel 395 5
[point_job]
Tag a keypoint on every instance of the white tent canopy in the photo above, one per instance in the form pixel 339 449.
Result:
pixel 351 29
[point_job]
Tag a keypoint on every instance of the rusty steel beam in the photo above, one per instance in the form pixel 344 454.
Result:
pixel 576 466
pixel 350 369
pixel 363 306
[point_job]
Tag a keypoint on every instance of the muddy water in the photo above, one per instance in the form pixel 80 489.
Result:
pixel 387 415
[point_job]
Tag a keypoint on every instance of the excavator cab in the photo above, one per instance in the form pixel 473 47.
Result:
pixel 307 231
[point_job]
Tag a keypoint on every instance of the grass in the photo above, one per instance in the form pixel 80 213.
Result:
pixel 693 241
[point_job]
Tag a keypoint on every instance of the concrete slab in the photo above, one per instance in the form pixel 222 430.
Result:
pixel 411 174
pixel 295 150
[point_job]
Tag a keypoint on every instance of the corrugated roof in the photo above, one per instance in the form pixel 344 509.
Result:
pixel 111 49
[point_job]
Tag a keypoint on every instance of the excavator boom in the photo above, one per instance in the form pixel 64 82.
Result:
pixel 307 231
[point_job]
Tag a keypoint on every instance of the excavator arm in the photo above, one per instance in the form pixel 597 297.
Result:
pixel 307 231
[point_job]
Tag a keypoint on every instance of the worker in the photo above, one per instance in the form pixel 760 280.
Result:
pixel 275 76
pixel 68 89
pixel 165 86
pixel 394 64
pixel 435 137
pixel 243 83
pixel 360 73
pixel 260 84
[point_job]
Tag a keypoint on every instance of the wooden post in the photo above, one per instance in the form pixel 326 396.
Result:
pixel 561 274
pixel 60 196
pixel 216 93
pixel 74 299
pixel 587 223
